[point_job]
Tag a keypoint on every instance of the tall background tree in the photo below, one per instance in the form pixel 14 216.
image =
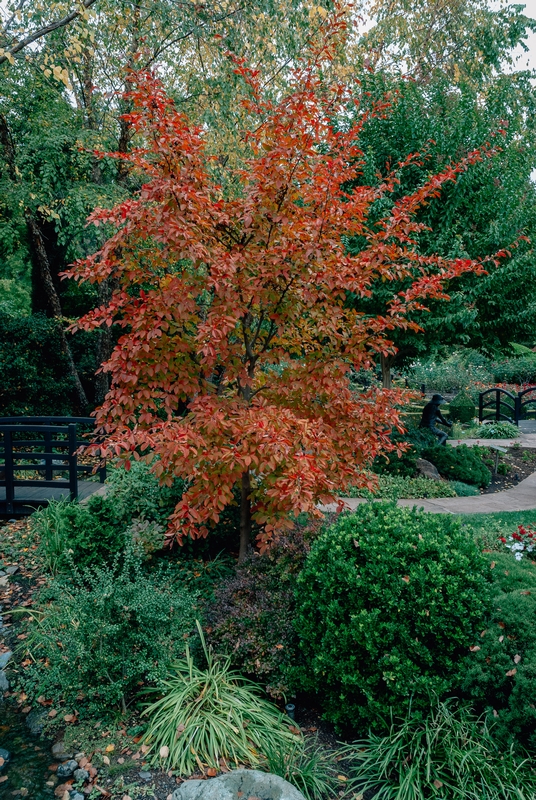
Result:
pixel 64 68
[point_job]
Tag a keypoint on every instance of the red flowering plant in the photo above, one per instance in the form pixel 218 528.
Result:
pixel 234 367
pixel 521 542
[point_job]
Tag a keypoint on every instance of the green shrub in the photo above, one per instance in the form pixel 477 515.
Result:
pixel 420 438
pixel 499 676
pixel 460 463
pixel 496 430
pixel 464 489
pixel 519 369
pixel 391 464
pixel 462 408
pixel 138 493
pixel 212 713
pixel 252 615
pixel 448 755
pixel 89 533
pixel 388 601
pixel 391 487
pixel 95 635
pixel 456 372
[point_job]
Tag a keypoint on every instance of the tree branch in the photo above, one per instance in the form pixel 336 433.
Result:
pixel 46 29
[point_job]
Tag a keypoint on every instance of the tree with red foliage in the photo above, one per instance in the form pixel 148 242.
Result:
pixel 238 345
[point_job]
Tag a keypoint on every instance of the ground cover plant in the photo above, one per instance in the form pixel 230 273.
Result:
pixel 388 602
pixel 394 486
pixel 446 753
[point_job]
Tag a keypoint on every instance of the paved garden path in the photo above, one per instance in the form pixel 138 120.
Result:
pixel 524 440
pixel 520 498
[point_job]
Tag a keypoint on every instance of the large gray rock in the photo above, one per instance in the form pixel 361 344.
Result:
pixel 240 784
pixel 427 469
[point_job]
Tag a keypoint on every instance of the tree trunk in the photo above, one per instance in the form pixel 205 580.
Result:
pixel 386 364
pixel 106 342
pixel 53 304
pixel 245 517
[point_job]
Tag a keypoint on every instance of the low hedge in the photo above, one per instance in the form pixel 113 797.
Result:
pixel 460 463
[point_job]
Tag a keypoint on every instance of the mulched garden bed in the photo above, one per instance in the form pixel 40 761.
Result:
pixel 520 462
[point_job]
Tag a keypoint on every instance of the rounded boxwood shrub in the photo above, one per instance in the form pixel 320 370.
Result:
pixel 460 463
pixel 388 602
pixel 462 408
pixel 499 674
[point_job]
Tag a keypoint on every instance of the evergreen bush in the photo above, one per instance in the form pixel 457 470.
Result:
pixel 87 533
pixel 95 635
pixel 499 674
pixel 462 408
pixel 460 463
pixel 389 600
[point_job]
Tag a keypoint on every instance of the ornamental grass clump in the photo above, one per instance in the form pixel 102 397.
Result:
pixel 212 717
pixel 448 755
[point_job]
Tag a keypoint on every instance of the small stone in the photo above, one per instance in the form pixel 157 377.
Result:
pixel 12 570
pixel 79 756
pixel 4 683
pixel 146 776
pixel 81 775
pixel 5 757
pixel 76 796
pixel 35 722
pixel 66 770
pixel 59 752
pixel 4 658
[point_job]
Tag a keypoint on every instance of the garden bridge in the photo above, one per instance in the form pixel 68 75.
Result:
pixel 40 461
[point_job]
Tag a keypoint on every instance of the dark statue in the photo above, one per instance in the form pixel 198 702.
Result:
pixel 431 415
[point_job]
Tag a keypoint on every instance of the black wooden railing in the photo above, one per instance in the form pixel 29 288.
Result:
pixel 499 404
pixel 43 446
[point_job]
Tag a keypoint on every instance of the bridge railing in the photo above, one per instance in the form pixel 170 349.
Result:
pixel 33 450
pixel 499 404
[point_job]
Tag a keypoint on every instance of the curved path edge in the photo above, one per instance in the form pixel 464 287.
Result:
pixel 520 498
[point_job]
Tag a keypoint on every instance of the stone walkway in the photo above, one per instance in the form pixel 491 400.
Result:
pixel 520 498
pixel 524 440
